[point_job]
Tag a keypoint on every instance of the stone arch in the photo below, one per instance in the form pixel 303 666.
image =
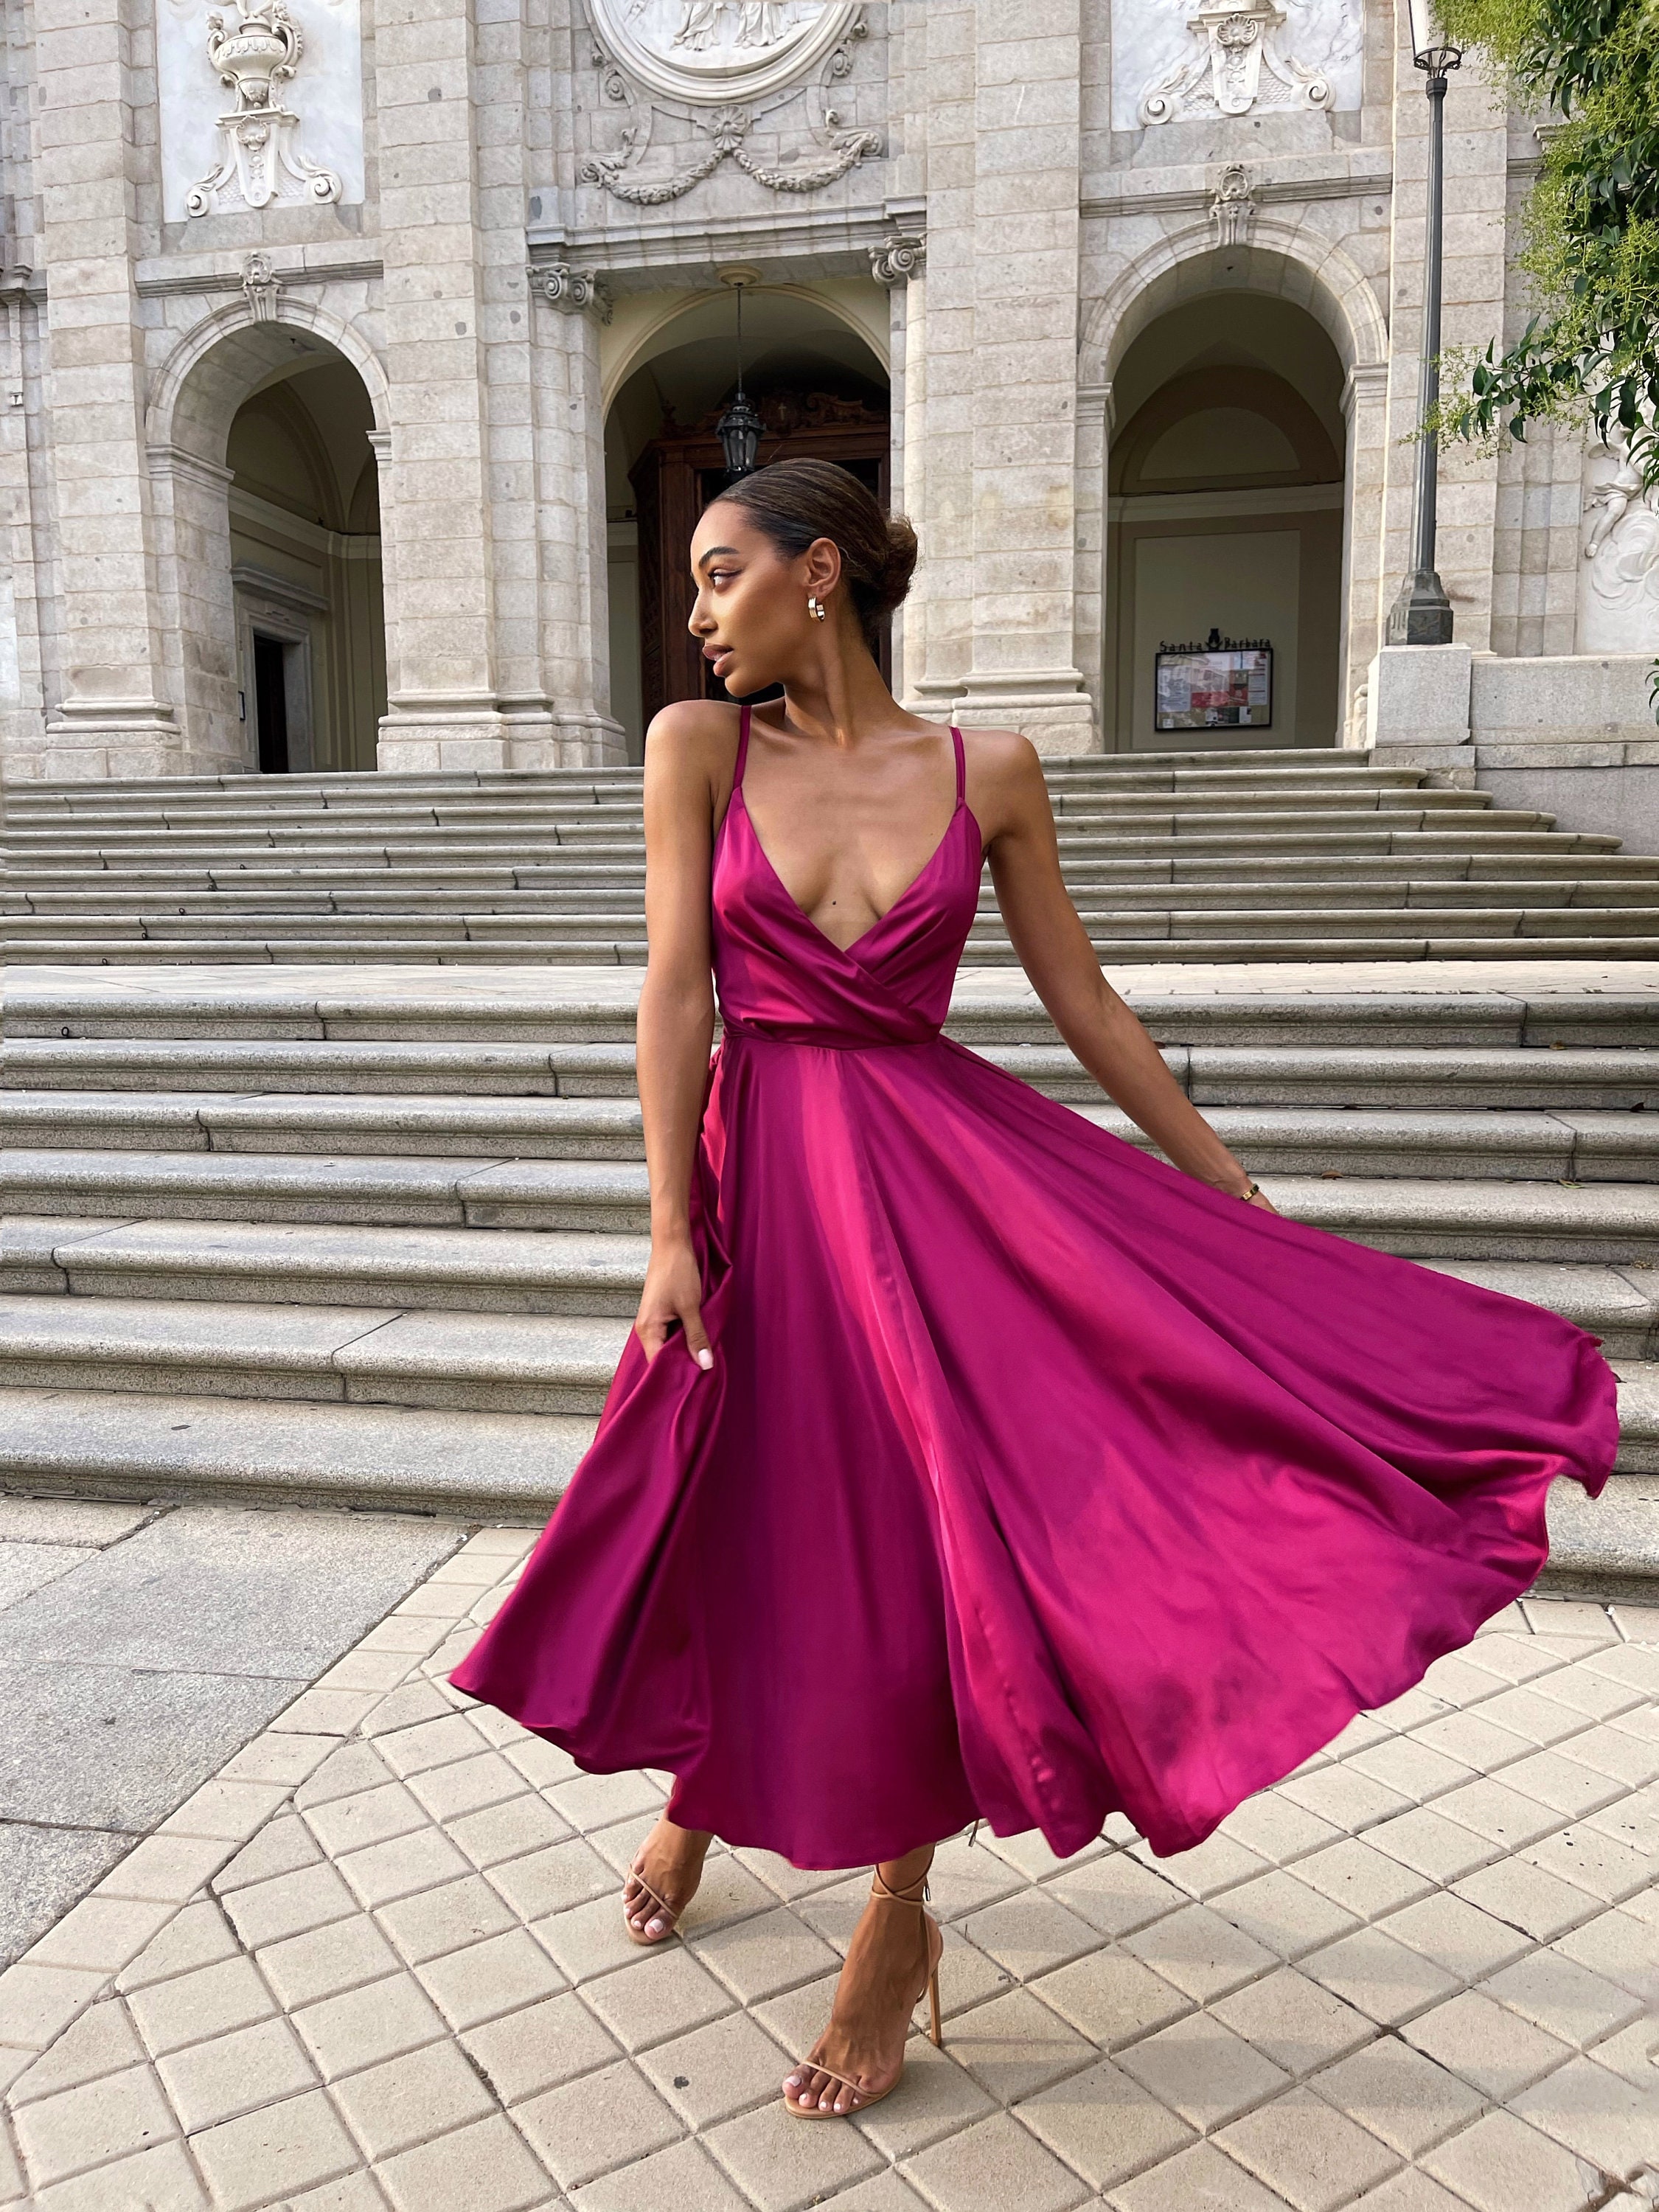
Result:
pixel 1289 263
pixel 1294 264
pixel 219 364
pixel 666 362
pixel 231 350
pixel 644 327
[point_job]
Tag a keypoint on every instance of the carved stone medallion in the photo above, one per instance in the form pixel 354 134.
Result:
pixel 718 50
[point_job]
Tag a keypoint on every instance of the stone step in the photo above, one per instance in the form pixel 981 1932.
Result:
pixel 114 1443
pixel 1087 858
pixel 328 1067
pixel 571 905
pixel 1406 1076
pixel 344 1355
pixel 631 952
pixel 496 1270
pixel 604 883
pixel 513 1467
pixel 228 922
pixel 1620 1305
pixel 623 813
pixel 332 1248
pixel 1469 850
pixel 606 1194
pixel 355 786
pixel 64 1145
pixel 541 1006
pixel 515 840
pixel 556 1364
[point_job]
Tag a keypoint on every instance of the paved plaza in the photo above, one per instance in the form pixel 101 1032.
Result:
pixel 378 1961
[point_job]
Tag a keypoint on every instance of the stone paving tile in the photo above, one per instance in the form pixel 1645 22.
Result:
pixel 383 1971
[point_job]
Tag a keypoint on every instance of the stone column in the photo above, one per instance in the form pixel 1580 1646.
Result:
pixel 114 716
pixel 1003 147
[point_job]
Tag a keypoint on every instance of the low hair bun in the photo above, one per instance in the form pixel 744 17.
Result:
pixel 794 502
pixel 902 550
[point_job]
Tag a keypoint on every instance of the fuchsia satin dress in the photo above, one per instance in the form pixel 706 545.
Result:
pixel 1033 1478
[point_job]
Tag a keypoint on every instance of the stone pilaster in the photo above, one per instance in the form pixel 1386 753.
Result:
pixel 573 619
pixel 113 715
pixel 1004 125
pixel 443 650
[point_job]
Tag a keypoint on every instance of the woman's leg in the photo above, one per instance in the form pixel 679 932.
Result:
pixel 884 1972
pixel 670 1861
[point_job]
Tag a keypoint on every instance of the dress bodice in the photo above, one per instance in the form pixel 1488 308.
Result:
pixel 779 976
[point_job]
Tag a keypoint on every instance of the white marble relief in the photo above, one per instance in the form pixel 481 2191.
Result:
pixel 719 50
pixel 262 104
pixel 1619 570
pixel 1195 60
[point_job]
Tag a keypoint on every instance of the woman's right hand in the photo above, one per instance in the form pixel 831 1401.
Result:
pixel 672 1293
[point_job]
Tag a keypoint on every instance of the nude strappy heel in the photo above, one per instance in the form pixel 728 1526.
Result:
pixel 669 1912
pixel 881 1892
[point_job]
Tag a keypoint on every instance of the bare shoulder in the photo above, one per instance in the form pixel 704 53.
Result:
pixel 1006 779
pixel 691 726
pixel 690 749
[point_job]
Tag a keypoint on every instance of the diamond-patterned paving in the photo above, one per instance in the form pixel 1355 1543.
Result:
pixel 380 1962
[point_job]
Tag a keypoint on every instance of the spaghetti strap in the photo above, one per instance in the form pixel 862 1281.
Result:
pixel 743 746
pixel 962 764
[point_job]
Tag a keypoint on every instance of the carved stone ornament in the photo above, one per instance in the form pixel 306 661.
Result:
pixel 574 291
pixel 259 161
pixel 898 260
pixel 1232 205
pixel 1619 583
pixel 260 286
pixel 1238 64
pixel 717 66
pixel 719 51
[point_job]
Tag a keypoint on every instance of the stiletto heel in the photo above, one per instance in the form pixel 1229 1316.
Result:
pixel 934 1941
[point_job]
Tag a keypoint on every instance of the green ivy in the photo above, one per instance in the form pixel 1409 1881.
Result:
pixel 1591 244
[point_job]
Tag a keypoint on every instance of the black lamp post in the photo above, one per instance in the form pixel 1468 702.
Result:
pixel 740 428
pixel 1422 614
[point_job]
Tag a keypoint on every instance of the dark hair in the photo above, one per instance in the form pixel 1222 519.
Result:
pixel 793 503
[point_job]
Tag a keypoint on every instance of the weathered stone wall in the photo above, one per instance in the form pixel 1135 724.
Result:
pixel 1020 192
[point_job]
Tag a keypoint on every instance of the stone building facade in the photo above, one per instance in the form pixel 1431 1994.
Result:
pixel 338 335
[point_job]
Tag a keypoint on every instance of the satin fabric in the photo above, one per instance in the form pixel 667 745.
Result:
pixel 1033 1480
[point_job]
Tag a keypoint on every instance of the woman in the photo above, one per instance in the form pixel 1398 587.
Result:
pixel 965 1460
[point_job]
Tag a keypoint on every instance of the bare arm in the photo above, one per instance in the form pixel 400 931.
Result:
pixel 1054 948
pixel 675 1026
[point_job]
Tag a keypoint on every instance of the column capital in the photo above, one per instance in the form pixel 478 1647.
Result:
pixel 573 291
pixel 898 258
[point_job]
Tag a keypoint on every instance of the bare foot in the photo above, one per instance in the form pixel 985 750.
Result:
pixel 671 1860
pixel 885 1975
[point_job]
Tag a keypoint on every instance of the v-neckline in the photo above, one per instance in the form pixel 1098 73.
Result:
pixel 799 911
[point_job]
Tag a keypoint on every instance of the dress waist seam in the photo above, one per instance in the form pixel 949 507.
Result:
pixel 827 1044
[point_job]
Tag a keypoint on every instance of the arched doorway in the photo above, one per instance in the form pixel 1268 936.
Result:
pixel 265 461
pixel 1225 520
pixel 820 389
pixel 305 548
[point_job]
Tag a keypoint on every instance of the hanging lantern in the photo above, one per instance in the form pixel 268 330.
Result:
pixel 740 428
pixel 740 431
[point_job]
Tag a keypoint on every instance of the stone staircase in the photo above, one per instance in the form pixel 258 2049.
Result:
pixel 325 1173
pixel 380 1242
pixel 1265 855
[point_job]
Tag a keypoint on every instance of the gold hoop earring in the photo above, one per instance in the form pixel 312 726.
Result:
pixel 815 607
